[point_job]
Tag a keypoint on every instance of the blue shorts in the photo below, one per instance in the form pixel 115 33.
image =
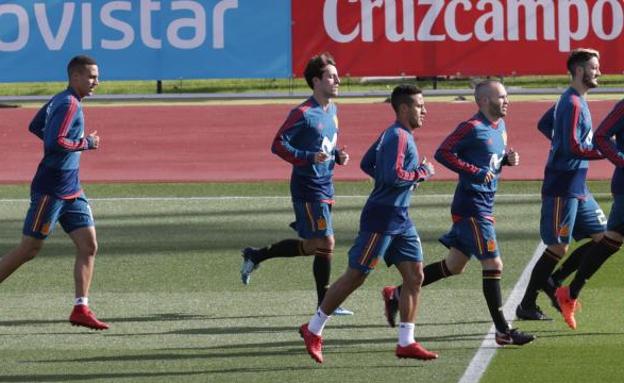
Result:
pixel 46 210
pixel 473 236
pixel 313 219
pixel 369 248
pixel 616 217
pixel 566 218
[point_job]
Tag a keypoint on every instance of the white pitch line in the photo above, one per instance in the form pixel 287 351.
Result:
pixel 223 198
pixel 484 355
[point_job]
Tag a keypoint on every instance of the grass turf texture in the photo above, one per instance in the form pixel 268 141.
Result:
pixel 167 280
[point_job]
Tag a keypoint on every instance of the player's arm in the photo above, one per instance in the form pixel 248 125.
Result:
pixel 59 125
pixel 572 134
pixel 546 124
pixel 368 160
pixel 393 162
pixel 610 126
pixel 38 122
pixel 447 154
pixel 282 142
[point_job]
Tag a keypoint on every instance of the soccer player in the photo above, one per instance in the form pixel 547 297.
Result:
pixel 307 140
pixel 386 230
pixel 476 150
pixel 56 194
pixel 568 208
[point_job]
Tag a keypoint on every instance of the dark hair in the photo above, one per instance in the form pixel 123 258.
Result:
pixel 402 94
pixel 579 57
pixel 78 63
pixel 316 66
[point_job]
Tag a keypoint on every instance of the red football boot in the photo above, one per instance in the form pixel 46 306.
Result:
pixel 82 316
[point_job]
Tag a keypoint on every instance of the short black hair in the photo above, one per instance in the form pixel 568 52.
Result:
pixel 580 57
pixel 316 66
pixel 402 94
pixel 77 63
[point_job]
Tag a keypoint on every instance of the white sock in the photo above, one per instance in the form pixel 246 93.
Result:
pixel 318 322
pixel 406 334
pixel 81 301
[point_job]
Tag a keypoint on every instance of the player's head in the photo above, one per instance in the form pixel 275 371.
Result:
pixel 322 76
pixel 83 75
pixel 491 97
pixel 584 66
pixel 409 105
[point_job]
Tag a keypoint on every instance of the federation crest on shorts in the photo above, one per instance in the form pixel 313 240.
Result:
pixel 321 224
pixel 564 231
pixel 491 245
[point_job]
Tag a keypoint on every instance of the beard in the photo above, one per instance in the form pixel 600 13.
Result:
pixel 589 82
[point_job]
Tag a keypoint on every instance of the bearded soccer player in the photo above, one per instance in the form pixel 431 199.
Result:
pixel 308 140
pixel 386 231
pixel 56 194
pixel 569 210
pixel 476 150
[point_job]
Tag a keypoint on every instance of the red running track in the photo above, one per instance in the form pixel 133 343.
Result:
pixel 232 143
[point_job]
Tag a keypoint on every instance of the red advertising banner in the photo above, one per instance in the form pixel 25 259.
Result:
pixel 456 37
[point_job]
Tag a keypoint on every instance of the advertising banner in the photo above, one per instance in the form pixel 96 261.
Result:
pixel 146 39
pixel 457 37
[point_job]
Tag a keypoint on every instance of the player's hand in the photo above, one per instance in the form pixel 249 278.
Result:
pixel 320 157
pixel 489 176
pixel 95 139
pixel 343 156
pixel 427 166
pixel 513 157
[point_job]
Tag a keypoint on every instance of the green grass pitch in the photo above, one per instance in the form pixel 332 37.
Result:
pixel 167 279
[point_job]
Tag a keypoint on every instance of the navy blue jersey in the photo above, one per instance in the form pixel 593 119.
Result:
pixel 60 124
pixel 571 146
pixel 393 162
pixel 308 130
pixel 613 150
pixel 475 147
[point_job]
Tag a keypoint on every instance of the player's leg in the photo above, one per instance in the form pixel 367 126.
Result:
pixel 77 220
pixel 28 249
pixel 406 254
pixel 311 222
pixel 363 257
pixel 455 263
pixel 605 243
pixel 557 221
pixel 40 220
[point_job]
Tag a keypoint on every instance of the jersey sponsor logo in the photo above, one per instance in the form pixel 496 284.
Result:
pixel 496 162
pixel 328 145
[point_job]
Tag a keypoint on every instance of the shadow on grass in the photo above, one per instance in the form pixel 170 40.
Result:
pixel 181 374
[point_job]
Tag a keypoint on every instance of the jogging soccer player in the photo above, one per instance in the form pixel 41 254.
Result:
pixel 56 194
pixel 386 231
pixel 569 210
pixel 308 140
pixel 476 150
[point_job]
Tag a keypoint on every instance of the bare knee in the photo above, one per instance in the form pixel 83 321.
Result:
pixel 88 249
pixel 29 248
pixel 326 244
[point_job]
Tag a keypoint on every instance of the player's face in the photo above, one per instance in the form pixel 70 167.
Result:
pixel 591 72
pixel 328 85
pixel 416 112
pixel 498 101
pixel 86 80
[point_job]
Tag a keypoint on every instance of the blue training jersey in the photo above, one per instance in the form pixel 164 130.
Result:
pixel 613 150
pixel 60 124
pixel 308 130
pixel 475 147
pixel 393 162
pixel 570 126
